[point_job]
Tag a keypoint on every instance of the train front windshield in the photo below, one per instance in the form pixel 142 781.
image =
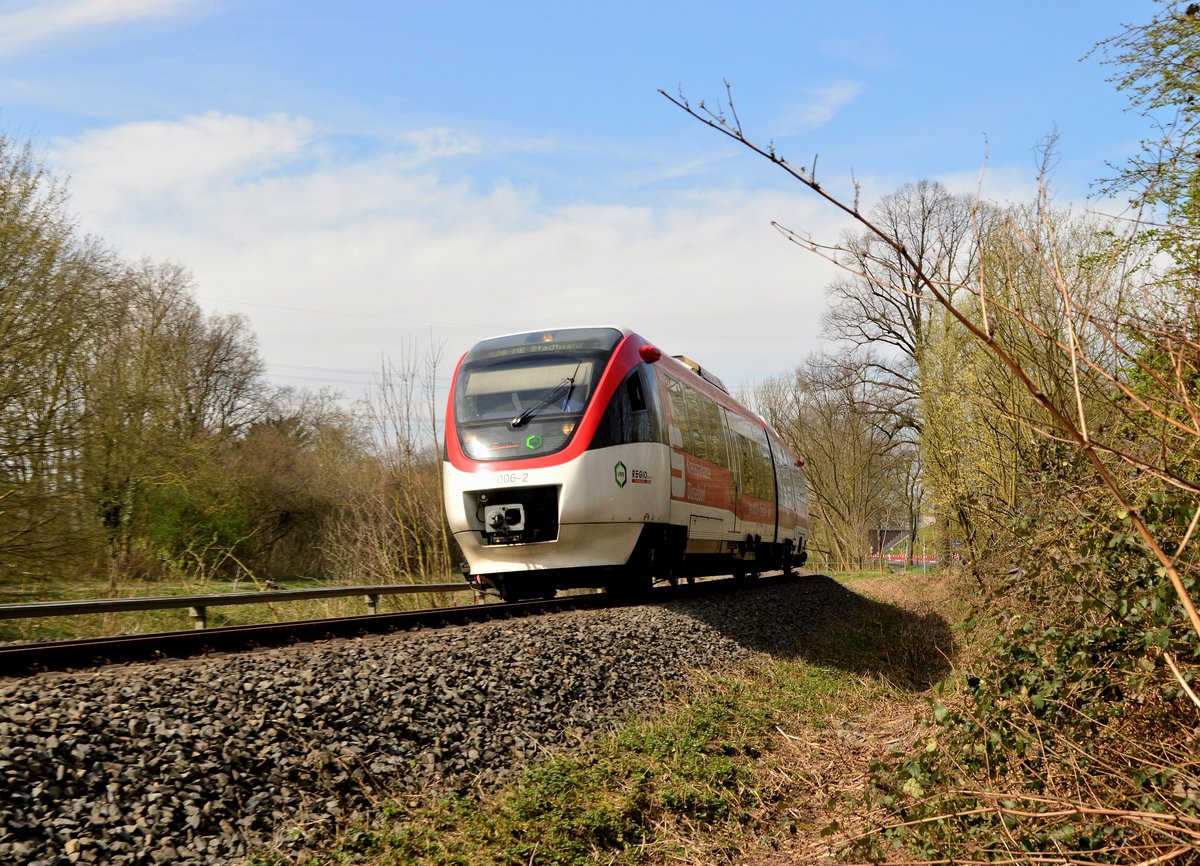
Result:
pixel 522 396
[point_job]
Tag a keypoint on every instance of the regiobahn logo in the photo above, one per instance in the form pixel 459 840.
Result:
pixel 623 475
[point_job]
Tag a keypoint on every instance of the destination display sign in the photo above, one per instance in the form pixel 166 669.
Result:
pixel 538 342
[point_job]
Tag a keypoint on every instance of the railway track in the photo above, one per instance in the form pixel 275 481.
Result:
pixel 219 757
pixel 25 659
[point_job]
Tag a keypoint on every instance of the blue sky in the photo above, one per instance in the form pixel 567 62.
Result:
pixel 361 178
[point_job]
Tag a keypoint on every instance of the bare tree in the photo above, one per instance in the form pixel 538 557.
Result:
pixel 167 389
pixel 1101 365
pixel 880 302
pixel 396 525
pixel 51 302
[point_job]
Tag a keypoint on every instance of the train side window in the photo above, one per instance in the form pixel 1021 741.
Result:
pixel 679 418
pixel 693 437
pixel 767 477
pixel 714 433
pixel 745 462
pixel 755 462
pixel 782 473
pixel 637 397
pixel 729 444
pixel 652 394
pixel 644 427
pixel 628 416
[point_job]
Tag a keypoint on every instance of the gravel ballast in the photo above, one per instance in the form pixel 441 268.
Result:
pixel 207 760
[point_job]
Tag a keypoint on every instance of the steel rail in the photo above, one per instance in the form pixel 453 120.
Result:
pixel 197 604
pixel 32 658
pixel 29 658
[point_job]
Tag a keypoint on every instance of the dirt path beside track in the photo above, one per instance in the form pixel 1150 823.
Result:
pixel 824 772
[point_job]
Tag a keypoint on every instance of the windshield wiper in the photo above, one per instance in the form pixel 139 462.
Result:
pixel 562 389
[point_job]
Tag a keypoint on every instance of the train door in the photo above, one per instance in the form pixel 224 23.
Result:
pixel 701 486
pixel 781 473
pixel 735 467
pixel 755 509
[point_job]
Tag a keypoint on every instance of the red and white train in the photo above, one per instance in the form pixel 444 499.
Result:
pixel 585 457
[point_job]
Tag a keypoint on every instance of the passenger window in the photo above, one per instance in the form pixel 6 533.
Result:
pixel 637 398
pixel 693 436
pixel 628 416
pixel 714 433
pixel 679 418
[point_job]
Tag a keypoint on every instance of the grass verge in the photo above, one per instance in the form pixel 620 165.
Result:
pixel 178 619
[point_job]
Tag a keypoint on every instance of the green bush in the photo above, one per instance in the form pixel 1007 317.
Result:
pixel 1070 718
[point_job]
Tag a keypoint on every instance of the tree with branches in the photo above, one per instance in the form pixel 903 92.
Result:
pixel 1091 361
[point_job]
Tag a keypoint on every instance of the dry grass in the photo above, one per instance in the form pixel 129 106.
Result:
pixel 821 772
pixel 825 774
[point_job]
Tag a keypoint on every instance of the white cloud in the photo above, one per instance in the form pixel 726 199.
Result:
pixel 818 107
pixel 24 26
pixel 1001 185
pixel 427 145
pixel 123 166
pixel 388 250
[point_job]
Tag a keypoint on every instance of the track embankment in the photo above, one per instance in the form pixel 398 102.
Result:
pixel 206 760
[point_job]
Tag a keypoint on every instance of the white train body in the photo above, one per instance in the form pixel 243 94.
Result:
pixel 584 457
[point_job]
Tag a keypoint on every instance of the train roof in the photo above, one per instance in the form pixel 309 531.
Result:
pixel 703 372
pixel 708 376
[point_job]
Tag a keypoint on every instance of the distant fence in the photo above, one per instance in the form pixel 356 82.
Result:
pixel 198 605
pixel 900 559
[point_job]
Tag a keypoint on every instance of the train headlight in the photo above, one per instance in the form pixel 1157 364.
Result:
pixel 568 427
pixel 505 518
